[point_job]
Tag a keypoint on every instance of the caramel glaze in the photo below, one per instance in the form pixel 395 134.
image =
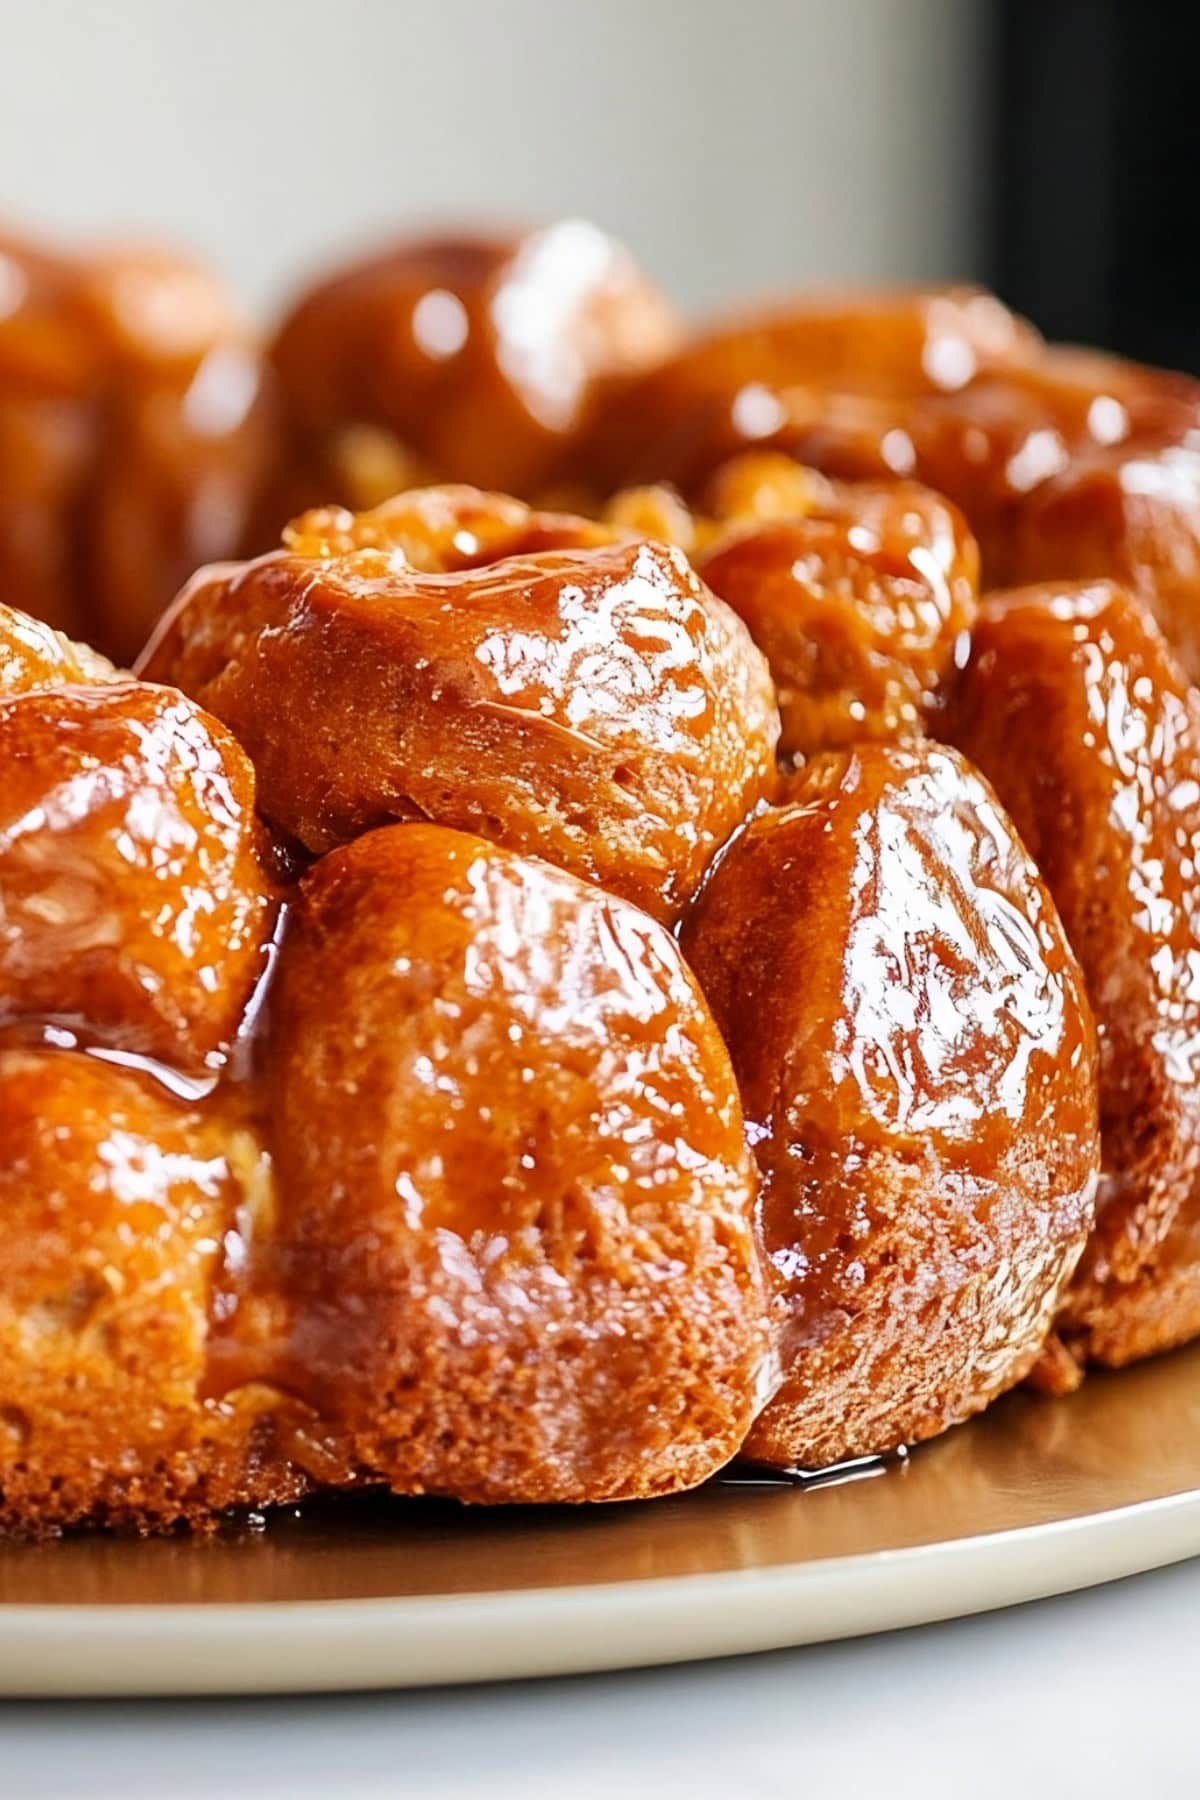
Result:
pixel 298 1194
pixel 477 359
pixel 550 683
pixel 132 435
pixel 916 1061
pixel 134 887
pixel 33 655
pixel 516 1258
pixel 137 907
pixel 120 1203
pixel 859 595
pixel 1074 707
pixel 1066 463
pixel 746 382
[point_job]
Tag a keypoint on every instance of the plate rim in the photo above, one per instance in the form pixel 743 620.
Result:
pixel 100 1649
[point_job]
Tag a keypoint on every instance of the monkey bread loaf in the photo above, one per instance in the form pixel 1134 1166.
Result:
pixel 479 359
pixel 916 1061
pixel 132 435
pixel 1075 708
pixel 556 685
pixel 533 991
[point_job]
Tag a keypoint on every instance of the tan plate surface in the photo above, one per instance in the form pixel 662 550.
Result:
pixel 1038 1497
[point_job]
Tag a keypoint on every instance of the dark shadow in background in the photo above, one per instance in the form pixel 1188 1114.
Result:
pixel 1095 171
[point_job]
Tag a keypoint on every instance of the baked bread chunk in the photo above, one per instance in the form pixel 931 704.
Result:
pixel 916 1060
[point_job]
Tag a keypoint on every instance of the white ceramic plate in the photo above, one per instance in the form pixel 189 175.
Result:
pixel 1037 1498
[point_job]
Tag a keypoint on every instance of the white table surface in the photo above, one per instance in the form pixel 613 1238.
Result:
pixel 1093 1695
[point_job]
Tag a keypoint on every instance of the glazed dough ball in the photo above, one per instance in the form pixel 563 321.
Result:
pixel 131 435
pixel 460 359
pixel 1074 708
pixel 34 655
pixel 917 1066
pixel 859 595
pixel 518 1242
pixel 118 1203
pixel 823 364
pixel 134 902
pixel 556 687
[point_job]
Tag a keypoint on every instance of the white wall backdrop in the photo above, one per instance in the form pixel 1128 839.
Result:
pixel 734 143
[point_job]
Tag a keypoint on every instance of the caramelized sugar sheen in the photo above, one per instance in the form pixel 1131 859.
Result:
pixel 1066 463
pixel 1076 710
pixel 518 1245
pixel 135 912
pixel 480 359
pixel 117 1200
pixel 547 682
pixel 133 889
pixel 34 655
pixel 841 367
pixel 858 594
pixel 916 1061
pixel 131 435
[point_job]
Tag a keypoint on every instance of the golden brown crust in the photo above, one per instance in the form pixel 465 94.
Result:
pixel 916 1062
pixel 1073 706
pixel 134 900
pixel 34 655
pixel 131 436
pixel 826 363
pixel 518 1246
pixel 118 1203
pixel 558 687
pixel 477 359
pixel 859 594
pixel 1066 463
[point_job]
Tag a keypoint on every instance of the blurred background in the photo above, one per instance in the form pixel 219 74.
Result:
pixel 737 145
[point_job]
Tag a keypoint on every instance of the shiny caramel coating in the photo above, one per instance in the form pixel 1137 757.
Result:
pixel 1066 463
pixel 117 1203
pixel 34 655
pixel 518 1238
pixel 750 382
pixel 858 594
pixel 132 435
pixel 135 903
pixel 916 1062
pixel 545 681
pixel 1073 706
pixel 1075 465
pixel 477 359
